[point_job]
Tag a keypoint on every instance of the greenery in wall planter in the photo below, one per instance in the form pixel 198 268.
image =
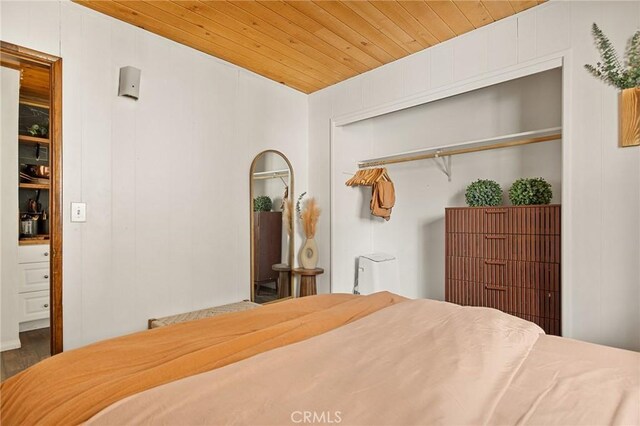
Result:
pixel 483 193
pixel 624 76
pixel 530 191
pixel 262 203
pixel 612 70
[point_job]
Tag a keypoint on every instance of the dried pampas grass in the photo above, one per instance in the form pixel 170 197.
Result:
pixel 309 216
pixel 287 210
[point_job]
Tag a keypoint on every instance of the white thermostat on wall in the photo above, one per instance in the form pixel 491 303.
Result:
pixel 78 212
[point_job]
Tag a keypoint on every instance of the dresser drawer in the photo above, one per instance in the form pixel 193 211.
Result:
pixel 539 220
pixel 533 248
pixel 516 301
pixel 540 276
pixel 540 307
pixel 550 326
pixel 33 277
pixel 34 253
pixel 458 291
pixel 33 305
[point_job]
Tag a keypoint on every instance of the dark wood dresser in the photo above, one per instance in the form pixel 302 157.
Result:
pixel 267 240
pixel 507 258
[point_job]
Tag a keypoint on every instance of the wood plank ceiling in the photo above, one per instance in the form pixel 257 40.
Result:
pixel 309 45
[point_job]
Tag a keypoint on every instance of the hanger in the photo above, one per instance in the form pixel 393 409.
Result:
pixel 368 177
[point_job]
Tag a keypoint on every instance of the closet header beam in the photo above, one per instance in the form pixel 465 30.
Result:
pixel 506 141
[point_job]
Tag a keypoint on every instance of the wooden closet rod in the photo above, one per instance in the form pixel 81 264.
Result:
pixel 518 139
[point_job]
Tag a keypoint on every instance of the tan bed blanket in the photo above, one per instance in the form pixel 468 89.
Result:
pixel 71 387
pixel 419 362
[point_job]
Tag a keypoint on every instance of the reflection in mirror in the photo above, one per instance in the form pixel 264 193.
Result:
pixel 271 224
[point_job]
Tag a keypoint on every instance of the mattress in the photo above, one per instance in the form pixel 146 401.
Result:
pixel 360 360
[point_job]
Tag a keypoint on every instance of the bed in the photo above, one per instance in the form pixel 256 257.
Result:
pixel 362 360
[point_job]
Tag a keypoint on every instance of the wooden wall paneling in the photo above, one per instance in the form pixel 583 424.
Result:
pixel 404 19
pixel 498 9
pixel 429 19
pixel 290 12
pixel 206 29
pixel 296 33
pixel 245 20
pixel 380 22
pixel 360 25
pixel 519 6
pixel 308 45
pixel 475 12
pixel 226 50
pixel 248 37
pixel 451 14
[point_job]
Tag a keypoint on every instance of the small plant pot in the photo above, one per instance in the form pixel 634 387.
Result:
pixel 630 117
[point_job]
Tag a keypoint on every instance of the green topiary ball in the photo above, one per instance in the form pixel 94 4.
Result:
pixel 483 193
pixel 262 203
pixel 530 191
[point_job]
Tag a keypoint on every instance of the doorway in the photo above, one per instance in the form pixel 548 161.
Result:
pixel 31 206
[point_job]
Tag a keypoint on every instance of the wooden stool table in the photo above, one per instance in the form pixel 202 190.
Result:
pixel 308 280
pixel 284 288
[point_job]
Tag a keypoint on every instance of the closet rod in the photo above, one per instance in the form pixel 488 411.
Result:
pixel 506 141
pixel 271 174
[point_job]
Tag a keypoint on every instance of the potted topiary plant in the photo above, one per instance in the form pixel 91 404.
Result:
pixel 262 203
pixel 624 76
pixel 530 191
pixel 483 192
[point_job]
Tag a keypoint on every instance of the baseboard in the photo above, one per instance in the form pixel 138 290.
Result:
pixel 11 344
pixel 34 325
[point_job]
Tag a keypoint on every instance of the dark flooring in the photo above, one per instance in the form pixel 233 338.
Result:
pixel 265 294
pixel 35 348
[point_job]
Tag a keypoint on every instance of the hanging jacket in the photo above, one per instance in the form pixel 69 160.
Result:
pixel 383 198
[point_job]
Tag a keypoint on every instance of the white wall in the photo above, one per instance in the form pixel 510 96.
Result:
pixel 415 234
pixel 9 92
pixel 603 232
pixel 165 179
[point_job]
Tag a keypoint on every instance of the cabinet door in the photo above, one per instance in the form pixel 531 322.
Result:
pixel 33 305
pixel 35 253
pixel 33 277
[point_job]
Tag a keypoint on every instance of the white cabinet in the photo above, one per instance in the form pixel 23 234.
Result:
pixel 33 282
pixel 33 254
pixel 33 277
pixel 33 306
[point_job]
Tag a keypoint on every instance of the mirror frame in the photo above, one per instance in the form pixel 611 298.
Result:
pixel 251 221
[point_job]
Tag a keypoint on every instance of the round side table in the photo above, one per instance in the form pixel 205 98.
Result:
pixel 284 288
pixel 308 280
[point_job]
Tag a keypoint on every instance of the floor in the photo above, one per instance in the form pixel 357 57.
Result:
pixel 35 348
pixel 266 294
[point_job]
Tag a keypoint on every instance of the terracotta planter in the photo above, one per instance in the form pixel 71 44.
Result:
pixel 630 117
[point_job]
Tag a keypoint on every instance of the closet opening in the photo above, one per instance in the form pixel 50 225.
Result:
pixel 433 152
pixel 30 207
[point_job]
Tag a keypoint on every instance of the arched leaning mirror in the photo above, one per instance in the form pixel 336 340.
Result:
pixel 271 227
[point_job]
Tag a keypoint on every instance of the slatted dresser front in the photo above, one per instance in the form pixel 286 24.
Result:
pixel 507 258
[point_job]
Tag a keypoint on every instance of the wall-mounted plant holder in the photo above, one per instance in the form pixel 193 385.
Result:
pixel 630 117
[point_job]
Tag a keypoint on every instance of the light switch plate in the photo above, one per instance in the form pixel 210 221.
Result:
pixel 78 212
